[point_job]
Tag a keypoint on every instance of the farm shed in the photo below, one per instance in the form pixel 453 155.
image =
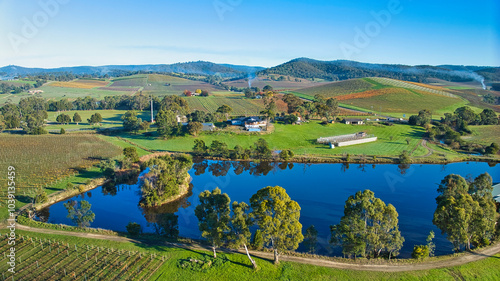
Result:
pixel 350 121
pixel 208 127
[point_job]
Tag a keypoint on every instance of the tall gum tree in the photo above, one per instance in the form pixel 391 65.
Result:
pixel 277 216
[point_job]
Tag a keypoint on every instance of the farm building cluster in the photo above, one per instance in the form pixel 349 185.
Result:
pixel 346 140
pixel 251 124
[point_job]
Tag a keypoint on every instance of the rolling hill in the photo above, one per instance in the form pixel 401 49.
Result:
pixel 198 67
pixel 386 95
pixel 342 70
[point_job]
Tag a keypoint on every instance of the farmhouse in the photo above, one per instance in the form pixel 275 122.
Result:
pixel 181 118
pixel 252 124
pixel 350 121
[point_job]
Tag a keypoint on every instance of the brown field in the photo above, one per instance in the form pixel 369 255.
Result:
pixel 80 84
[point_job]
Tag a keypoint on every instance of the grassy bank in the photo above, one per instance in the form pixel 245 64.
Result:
pixel 237 267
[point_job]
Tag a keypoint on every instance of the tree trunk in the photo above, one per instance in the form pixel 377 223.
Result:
pixel 215 254
pixel 276 258
pixel 249 257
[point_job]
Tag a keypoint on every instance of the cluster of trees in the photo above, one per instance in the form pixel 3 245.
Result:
pixel 453 126
pixel 6 88
pixel 132 123
pixel 122 102
pixel 466 211
pixel 464 116
pixel 369 227
pixel 166 118
pixel 320 107
pixel 202 117
pixel 259 150
pixel 491 99
pixel 167 174
pixel 30 114
pixel 271 209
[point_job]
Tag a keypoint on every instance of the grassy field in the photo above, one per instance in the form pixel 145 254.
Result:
pixel 239 104
pixel 57 93
pixel 116 261
pixel 111 118
pixel 484 134
pixel 156 85
pixel 41 161
pixel 302 139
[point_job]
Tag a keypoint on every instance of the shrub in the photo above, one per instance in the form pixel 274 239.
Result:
pixel 258 240
pixel 62 132
pixel 420 252
pixel 134 228
pixel 131 154
pixel 286 155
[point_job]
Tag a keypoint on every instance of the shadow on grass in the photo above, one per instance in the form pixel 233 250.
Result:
pixel 24 199
pixel 483 255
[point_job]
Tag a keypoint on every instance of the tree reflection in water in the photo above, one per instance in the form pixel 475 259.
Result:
pixel 222 168
pixel 163 218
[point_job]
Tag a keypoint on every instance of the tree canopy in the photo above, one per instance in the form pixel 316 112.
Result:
pixel 368 227
pixel 277 216
pixel 466 211
pixel 213 216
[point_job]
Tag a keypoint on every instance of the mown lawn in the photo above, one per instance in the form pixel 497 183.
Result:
pixel 238 266
pixel 111 118
pixel 301 139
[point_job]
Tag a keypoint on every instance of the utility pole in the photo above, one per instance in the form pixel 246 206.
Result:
pixel 152 120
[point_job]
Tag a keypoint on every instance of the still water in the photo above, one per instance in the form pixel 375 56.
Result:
pixel 320 189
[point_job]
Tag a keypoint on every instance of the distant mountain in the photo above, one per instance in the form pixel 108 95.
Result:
pixel 301 68
pixel 199 67
pixel 342 70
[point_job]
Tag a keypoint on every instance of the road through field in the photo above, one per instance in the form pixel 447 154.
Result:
pixel 432 264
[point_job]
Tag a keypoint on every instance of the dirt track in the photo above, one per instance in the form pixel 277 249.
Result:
pixel 451 261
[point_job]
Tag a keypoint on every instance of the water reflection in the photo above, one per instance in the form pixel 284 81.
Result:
pixel 222 168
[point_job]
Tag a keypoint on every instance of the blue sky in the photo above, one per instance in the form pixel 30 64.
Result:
pixel 52 33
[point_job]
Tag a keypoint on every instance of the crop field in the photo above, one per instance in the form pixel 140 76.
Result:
pixel 338 88
pixel 43 160
pixel 158 84
pixel 130 81
pixel 484 134
pixel 51 259
pixel 240 105
pixel 80 84
pixel 387 95
pixel 414 86
pixel 372 93
pixel 398 100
